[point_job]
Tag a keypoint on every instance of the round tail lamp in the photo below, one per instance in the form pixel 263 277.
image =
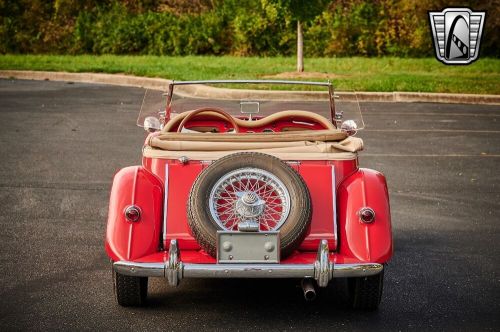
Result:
pixel 367 215
pixel 132 213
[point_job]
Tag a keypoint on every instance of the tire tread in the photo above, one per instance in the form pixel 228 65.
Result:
pixel 366 292
pixel 130 291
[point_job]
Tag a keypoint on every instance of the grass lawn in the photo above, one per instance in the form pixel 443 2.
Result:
pixel 360 74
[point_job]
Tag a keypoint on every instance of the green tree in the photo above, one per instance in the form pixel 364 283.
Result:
pixel 302 11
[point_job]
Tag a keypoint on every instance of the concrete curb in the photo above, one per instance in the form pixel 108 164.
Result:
pixel 161 84
pixel 114 79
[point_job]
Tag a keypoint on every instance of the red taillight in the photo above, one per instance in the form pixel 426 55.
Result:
pixel 132 213
pixel 367 215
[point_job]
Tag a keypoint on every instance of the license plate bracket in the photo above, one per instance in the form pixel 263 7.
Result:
pixel 248 247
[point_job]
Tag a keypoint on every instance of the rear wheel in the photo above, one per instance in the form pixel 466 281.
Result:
pixel 366 292
pixel 130 291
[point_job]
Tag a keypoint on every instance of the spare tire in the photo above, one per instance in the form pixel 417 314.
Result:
pixel 219 197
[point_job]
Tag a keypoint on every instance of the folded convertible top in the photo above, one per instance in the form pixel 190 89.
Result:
pixel 304 145
pixel 328 135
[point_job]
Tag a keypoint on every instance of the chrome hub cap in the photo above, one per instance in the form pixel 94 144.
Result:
pixel 249 199
pixel 249 206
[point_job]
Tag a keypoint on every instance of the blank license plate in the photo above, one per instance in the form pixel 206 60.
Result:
pixel 248 247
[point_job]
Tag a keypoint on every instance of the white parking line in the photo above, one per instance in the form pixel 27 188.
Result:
pixel 436 131
pixel 385 114
pixel 431 155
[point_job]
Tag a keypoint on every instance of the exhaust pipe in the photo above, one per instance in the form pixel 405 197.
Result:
pixel 308 288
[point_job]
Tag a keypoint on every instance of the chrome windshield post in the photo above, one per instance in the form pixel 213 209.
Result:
pixel 168 108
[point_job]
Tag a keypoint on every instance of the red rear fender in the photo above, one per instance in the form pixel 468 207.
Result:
pixel 127 240
pixel 369 242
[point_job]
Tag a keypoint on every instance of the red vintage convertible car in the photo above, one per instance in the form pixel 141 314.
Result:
pixel 251 182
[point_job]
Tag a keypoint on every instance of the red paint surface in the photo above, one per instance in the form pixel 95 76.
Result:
pixel 365 242
pixel 316 174
pixel 127 240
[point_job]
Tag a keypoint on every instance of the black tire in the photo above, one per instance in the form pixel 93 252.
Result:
pixel 205 228
pixel 338 292
pixel 130 291
pixel 366 292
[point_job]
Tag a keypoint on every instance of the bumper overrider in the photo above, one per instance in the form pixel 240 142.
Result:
pixel 322 270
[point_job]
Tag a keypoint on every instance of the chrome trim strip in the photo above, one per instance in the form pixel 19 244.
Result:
pixel 248 271
pixel 327 84
pixel 165 209
pixel 334 199
pixel 322 270
pixel 357 270
pixel 134 186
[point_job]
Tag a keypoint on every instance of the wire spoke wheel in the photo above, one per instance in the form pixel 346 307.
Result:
pixel 269 203
pixel 249 192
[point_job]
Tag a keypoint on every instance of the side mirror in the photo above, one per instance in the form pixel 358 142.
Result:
pixel 151 124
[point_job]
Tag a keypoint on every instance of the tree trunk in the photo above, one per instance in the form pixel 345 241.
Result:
pixel 300 48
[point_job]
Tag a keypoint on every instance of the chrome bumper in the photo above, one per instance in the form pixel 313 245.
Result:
pixel 322 270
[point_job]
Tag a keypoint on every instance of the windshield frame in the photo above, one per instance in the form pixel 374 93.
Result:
pixel 335 118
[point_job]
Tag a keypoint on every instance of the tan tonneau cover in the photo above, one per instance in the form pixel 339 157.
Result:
pixel 288 136
pixel 303 145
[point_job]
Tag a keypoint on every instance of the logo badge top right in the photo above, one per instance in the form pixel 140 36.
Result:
pixel 457 35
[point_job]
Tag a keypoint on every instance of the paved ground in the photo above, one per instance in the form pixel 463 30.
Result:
pixel 61 144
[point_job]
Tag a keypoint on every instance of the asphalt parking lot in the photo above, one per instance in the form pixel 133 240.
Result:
pixel 61 144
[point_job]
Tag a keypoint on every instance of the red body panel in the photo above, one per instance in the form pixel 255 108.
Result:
pixel 364 242
pixel 127 240
pixel 318 175
pixel 354 241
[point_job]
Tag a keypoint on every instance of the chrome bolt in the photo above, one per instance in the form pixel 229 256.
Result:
pixel 269 246
pixel 227 246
